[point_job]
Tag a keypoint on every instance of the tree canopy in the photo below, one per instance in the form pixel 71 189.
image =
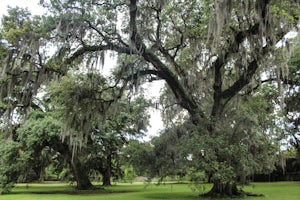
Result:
pixel 212 55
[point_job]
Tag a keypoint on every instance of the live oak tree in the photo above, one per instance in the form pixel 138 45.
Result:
pixel 23 66
pixel 208 53
pixel 140 156
pixel 95 112
pixel 247 138
pixel 38 135
pixel 34 136
pixel 127 123
pixel 291 108
pixel 12 162
pixel 27 66
pixel 22 37
pixel 41 133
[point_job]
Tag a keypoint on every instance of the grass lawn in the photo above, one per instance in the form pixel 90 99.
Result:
pixel 140 191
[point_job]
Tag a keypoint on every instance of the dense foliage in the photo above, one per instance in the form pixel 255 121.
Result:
pixel 212 55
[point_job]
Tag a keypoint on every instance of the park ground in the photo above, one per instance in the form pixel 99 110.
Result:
pixel 142 191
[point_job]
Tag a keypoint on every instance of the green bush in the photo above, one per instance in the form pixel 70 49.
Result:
pixel 13 162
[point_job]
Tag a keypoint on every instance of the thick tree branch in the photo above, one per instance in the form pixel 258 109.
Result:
pixel 222 97
pixel 184 100
pixel 285 81
pixel 221 61
pixel 180 93
pixel 94 48
pixel 146 72
pixel 108 5
pixel 252 67
pixel 241 82
pixel 179 70
pixel 108 39
pixel 245 78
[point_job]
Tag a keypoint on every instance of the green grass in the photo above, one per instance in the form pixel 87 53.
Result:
pixel 277 190
pixel 140 191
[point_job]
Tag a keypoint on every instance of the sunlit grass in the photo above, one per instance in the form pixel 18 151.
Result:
pixel 276 190
pixel 141 191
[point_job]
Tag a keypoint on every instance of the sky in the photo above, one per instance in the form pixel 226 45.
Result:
pixel 152 90
pixel 32 5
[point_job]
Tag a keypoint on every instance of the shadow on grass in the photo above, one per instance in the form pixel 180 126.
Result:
pixel 171 196
pixel 66 190
pixel 80 192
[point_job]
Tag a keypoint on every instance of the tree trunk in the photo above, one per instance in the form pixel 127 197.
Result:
pixel 221 189
pixel 42 174
pixel 80 174
pixel 298 154
pixel 82 179
pixel 107 172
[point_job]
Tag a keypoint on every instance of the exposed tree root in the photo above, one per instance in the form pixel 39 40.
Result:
pixel 220 190
pixel 238 195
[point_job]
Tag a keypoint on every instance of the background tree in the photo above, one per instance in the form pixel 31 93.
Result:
pixel 167 153
pixel 160 157
pixel 41 131
pixel 23 57
pixel 292 95
pixel 12 164
pixel 85 104
pixel 140 155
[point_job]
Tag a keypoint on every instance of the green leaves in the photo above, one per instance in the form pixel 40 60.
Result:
pixel 211 54
pixel 287 10
pixel 141 156
pixel 13 163
pixel 38 128
pixel 87 101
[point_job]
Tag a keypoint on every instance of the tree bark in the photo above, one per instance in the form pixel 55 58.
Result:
pixel 82 178
pixel 221 189
pixel 79 172
pixel 107 171
pixel 42 174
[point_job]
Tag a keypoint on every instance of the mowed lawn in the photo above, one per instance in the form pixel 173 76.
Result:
pixel 140 191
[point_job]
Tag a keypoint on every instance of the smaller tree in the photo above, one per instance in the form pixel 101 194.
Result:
pixel 292 96
pixel 140 155
pixel 128 122
pixel 13 164
pixel 99 120
pixel 40 134
pixel 167 153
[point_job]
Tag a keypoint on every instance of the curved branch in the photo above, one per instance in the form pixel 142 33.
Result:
pixel 241 82
pixel 107 39
pixel 178 90
pixel 94 48
pixel 219 64
pixel 145 73
pixel 180 93
pixel 245 78
pixel 222 97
